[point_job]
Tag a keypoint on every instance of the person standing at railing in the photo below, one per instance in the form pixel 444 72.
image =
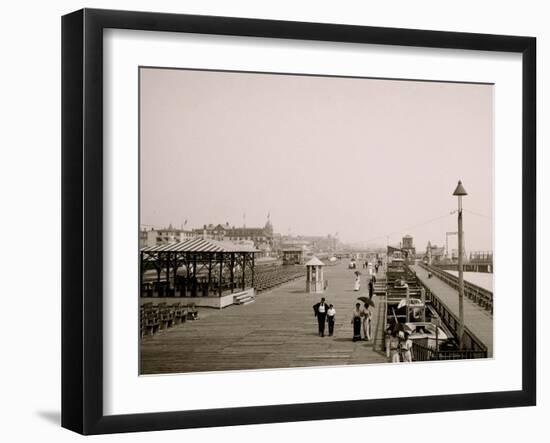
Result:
pixel 406 348
pixel 387 339
pixel 394 347
pixel 371 287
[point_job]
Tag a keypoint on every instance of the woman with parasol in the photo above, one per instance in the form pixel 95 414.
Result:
pixel 356 322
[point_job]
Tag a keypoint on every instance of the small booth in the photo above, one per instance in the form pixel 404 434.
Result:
pixel 315 282
pixel 293 256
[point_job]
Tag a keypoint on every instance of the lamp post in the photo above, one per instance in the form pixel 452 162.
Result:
pixel 460 192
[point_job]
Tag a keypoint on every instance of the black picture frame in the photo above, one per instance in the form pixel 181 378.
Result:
pixel 82 218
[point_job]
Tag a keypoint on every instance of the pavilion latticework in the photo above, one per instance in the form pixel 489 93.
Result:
pixel 196 267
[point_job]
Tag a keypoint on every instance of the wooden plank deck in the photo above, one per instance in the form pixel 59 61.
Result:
pixel 279 330
pixel 476 318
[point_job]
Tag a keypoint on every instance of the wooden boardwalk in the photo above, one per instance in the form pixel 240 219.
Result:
pixel 477 319
pixel 279 330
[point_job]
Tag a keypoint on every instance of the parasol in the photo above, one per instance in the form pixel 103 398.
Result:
pixel 366 300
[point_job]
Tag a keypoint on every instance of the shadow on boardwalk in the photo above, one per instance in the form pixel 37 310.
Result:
pixel 279 330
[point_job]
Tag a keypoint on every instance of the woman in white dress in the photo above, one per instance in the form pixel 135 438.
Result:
pixel 367 315
pixel 406 349
pixel 395 346
pixel 357 282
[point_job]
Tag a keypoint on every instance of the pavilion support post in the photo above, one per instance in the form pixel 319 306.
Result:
pixel 244 269
pixel 253 269
pixel 167 264
pixel 175 271
pixel 159 270
pixel 195 280
pixel 232 271
pixel 220 287
pixel 187 288
pixel 141 273
pixel 209 271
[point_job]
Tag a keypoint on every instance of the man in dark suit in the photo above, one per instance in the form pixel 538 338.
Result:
pixel 320 309
pixel 371 288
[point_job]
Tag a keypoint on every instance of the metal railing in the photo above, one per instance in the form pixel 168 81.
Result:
pixel 422 352
pixel 471 343
pixel 477 294
pixel 472 347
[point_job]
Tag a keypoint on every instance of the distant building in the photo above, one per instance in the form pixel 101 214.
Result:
pixel 310 243
pixel 293 256
pixel 171 235
pixel 147 237
pixel 406 250
pixel 262 238
pixel 397 253
pixel 288 243
pixel 481 257
pixel 162 236
pixel 211 232
pixel 408 247
pixel 434 254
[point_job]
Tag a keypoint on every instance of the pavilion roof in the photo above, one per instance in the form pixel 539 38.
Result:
pixel 199 245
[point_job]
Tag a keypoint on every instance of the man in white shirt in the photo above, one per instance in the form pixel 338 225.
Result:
pixel 320 309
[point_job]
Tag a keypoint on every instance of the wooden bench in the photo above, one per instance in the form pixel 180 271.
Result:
pixel 192 313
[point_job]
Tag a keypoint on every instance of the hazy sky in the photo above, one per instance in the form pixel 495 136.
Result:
pixel 362 157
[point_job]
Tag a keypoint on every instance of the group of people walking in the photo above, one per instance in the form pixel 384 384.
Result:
pixel 398 342
pixel 325 313
pixel 376 266
pixel 360 319
pixel 357 285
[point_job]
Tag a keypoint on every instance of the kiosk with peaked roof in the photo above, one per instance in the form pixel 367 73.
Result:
pixel 315 282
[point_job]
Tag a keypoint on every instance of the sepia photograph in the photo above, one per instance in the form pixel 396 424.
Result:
pixel 290 220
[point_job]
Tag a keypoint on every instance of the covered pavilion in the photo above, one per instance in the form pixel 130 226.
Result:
pixel 196 267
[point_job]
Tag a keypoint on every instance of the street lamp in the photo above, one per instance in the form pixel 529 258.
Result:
pixel 460 192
